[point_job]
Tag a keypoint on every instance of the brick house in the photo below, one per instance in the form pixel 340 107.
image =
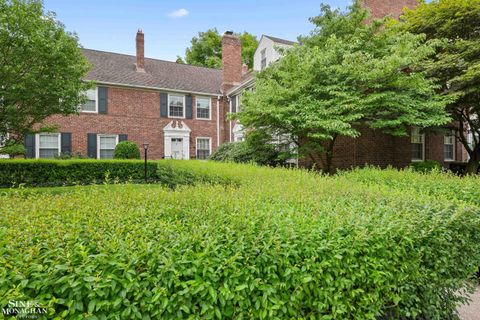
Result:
pixel 180 110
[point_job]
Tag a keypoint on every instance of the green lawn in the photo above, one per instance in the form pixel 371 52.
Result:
pixel 276 243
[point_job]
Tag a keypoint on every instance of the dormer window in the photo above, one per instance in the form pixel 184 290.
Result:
pixel 263 59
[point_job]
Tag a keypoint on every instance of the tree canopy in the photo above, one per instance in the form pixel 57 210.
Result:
pixel 454 26
pixel 347 74
pixel 41 68
pixel 206 49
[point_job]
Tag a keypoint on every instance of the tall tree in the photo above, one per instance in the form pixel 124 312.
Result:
pixel 41 68
pixel 347 75
pixel 455 26
pixel 206 49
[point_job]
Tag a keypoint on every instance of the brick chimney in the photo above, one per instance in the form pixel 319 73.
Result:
pixel 231 61
pixel 140 40
pixel 382 8
pixel 244 69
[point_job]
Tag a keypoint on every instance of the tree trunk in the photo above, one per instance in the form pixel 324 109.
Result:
pixel 472 166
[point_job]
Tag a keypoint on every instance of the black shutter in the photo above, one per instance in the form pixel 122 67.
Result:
pixel 66 142
pixel 188 107
pixel 122 137
pixel 102 100
pixel 92 145
pixel 164 104
pixel 234 104
pixel 30 146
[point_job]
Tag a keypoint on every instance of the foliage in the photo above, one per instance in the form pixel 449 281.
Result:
pixel 281 244
pixel 335 84
pixel 41 68
pixel 426 166
pixel 43 172
pixel 257 148
pixel 13 149
pixel 454 26
pixel 68 172
pixel 206 49
pixel 71 155
pixel 126 150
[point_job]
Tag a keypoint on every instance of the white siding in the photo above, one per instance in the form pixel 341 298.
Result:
pixel 271 52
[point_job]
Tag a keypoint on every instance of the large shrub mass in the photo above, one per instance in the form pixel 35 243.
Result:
pixel 126 150
pixel 277 244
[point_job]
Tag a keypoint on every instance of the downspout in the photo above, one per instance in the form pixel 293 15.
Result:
pixel 218 121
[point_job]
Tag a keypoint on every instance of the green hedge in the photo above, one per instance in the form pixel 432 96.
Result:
pixel 281 244
pixel 69 172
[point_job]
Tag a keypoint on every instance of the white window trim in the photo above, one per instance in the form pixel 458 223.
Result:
pixel 454 148
pixel 105 136
pixel 37 143
pixel 209 146
pixel 209 108
pixel 96 103
pixel 184 107
pixel 423 148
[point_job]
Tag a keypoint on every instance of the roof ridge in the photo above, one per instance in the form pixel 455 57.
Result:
pixel 277 38
pixel 172 62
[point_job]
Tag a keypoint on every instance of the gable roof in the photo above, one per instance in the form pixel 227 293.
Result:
pixel 115 68
pixel 282 41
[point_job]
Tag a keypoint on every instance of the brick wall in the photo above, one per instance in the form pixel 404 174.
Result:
pixel 382 150
pixel 383 8
pixel 135 112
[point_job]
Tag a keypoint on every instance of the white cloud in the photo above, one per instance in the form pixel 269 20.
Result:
pixel 180 13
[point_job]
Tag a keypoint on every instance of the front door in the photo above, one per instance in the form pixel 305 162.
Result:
pixel 177 148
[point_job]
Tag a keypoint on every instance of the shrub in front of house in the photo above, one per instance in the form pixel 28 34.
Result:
pixel 281 244
pixel 39 172
pixel 426 166
pixel 13 149
pixel 126 150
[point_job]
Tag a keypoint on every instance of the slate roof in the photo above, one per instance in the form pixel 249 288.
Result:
pixel 282 41
pixel 115 68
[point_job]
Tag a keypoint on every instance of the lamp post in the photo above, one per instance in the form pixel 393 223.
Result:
pixel 145 147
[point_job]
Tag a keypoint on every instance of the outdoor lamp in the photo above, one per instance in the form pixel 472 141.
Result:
pixel 145 147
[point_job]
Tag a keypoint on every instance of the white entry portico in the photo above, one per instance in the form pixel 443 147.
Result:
pixel 177 140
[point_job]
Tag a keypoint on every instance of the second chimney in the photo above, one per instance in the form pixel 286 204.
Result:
pixel 231 61
pixel 140 41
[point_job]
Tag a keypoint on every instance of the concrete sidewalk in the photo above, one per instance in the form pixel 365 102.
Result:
pixel 471 311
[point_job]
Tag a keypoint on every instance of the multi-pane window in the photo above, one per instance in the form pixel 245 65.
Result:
pixel 263 59
pixel 449 146
pixel 418 144
pixel 176 106
pixel 203 108
pixel 203 148
pixel 106 146
pixel 48 145
pixel 91 104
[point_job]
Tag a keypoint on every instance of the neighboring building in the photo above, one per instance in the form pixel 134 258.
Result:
pixel 181 110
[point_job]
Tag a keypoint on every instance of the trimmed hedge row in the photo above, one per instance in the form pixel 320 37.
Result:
pixel 282 244
pixel 72 172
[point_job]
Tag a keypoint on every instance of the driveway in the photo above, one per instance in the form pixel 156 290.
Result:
pixel 471 311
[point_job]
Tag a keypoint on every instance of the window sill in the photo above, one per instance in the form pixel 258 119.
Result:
pixel 171 117
pixel 204 119
pixel 418 160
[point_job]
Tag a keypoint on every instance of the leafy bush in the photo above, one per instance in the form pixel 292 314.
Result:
pixel 282 244
pixel 69 172
pixel 42 172
pixel 71 155
pixel 426 166
pixel 257 148
pixel 13 149
pixel 126 150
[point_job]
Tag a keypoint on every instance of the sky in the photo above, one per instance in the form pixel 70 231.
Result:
pixel 169 25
